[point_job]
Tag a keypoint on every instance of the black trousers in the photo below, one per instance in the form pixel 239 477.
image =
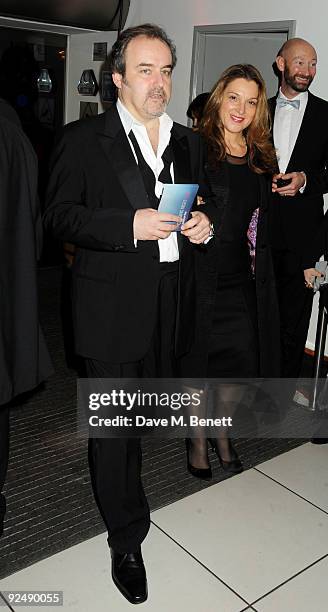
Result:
pixel 115 463
pixel 4 453
pixel 295 305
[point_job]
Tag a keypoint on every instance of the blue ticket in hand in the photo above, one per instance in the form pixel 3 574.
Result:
pixel 177 199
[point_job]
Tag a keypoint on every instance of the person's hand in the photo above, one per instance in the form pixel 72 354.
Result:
pixel 198 228
pixel 149 224
pixel 309 276
pixel 297 182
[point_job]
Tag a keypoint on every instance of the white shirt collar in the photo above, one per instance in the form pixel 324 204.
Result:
pixel 302 96
pixel 129 122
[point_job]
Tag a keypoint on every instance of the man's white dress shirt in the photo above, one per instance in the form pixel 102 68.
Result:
pixel 168 247
pixel 286 126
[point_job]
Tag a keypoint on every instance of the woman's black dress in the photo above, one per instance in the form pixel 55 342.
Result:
pixel 233 337
pixel 236 330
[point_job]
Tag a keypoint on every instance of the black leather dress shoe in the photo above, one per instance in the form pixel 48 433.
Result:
pixel 319 440
pixel 129 575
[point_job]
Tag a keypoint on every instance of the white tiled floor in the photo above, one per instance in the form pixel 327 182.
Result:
pixel 305 593
pixel 260 539
pixel 304 471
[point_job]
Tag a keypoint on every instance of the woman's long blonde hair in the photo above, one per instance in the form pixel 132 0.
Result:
pixel 261 153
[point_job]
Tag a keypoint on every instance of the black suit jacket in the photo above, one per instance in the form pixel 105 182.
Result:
pixel 295 220
pixel 94 191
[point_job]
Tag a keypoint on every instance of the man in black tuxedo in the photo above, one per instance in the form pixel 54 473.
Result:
pixel 300 133
pixel 132 275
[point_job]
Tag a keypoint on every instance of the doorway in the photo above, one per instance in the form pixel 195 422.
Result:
pixel 216 47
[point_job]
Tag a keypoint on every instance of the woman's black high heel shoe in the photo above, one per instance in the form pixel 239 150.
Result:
pixel 203 473
pixel 232 467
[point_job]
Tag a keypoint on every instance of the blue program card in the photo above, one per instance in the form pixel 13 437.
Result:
pixel 177 199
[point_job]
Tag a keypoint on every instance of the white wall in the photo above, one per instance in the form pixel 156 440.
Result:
pixel 79 58
pixel 178 17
